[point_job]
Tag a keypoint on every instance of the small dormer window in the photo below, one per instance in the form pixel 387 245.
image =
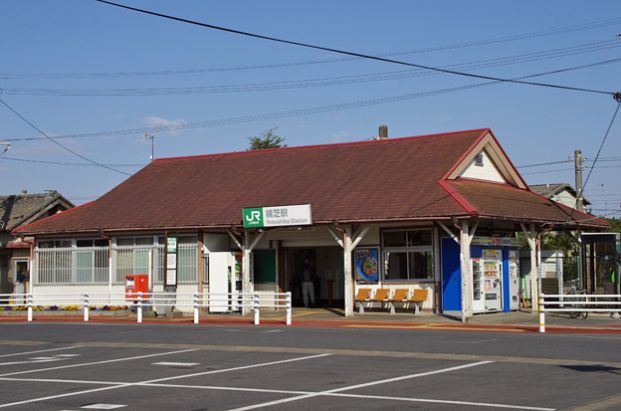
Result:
pixel 478 160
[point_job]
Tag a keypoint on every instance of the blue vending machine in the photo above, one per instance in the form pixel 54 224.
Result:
pixel 495 275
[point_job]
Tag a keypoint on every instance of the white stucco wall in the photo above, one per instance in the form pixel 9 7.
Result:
pixel 487 172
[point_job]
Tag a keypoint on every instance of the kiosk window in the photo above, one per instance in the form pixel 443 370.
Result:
pixel 407 255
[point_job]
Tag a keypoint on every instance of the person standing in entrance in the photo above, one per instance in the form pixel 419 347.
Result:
pixel 308 286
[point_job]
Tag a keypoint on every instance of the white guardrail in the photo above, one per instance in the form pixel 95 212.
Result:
pixel 576 303
pixel 141 301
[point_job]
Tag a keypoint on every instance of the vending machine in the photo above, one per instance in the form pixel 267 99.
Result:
pixel 492 279
pixel 514 280
pixel 478 301
pixel 224 282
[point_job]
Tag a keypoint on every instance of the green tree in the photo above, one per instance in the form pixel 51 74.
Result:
pixel 615 224
pixel 267 139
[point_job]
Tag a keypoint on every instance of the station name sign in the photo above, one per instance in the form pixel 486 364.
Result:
pixel 278 216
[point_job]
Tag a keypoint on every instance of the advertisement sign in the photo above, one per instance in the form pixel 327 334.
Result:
pixel 171 244
pixel 279 216
pixel 496 241
pixel 171 277
pixel 492 255
pixel 366 265
pixel 171 262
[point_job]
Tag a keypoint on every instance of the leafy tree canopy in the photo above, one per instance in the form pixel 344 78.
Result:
pixel 615 224
pixel 267 139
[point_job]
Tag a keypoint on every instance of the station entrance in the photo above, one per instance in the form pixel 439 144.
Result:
pixel 326 267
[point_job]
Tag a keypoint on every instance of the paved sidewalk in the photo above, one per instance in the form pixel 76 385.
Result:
pixel 334 318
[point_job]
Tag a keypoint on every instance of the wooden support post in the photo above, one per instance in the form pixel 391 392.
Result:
pixel 348 241
pixel 466 234
pixel 246 246
pixel 531 238
pixel 347 271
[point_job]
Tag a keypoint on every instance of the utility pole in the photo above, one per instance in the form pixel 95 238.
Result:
pixel 152 138
pixel 579 187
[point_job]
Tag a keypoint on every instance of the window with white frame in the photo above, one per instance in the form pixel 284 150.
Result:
pixel 91 261
pixel 187 259
pixel 132 256
pixel 407 255
pixel 54 262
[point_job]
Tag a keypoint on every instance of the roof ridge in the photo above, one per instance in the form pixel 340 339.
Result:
pixel 312 146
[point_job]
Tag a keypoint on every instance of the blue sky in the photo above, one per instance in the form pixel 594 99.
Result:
pixel 84 47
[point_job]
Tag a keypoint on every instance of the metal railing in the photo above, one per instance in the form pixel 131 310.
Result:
pixel 576 303
pixel 141 301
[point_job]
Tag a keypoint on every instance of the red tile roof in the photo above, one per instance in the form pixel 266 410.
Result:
pixel 508 202
pixel 395 179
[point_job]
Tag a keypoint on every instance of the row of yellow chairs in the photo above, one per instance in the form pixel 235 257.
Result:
pixel 386 296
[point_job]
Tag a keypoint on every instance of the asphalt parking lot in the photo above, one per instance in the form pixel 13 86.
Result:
pixel 182 367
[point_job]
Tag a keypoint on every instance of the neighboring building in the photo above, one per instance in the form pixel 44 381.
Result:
pixel 15 211
pixel 560 192
pixel 438 212
pixel 553 261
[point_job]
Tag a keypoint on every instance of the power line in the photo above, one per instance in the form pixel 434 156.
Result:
pixel 63 163
pixel 548 163
pixel 355 54
pixel 547 171
pixel 25 120
pixel 606 159
pixel 612 121
pixel 473 43
pixel 296 112
pixel 319 82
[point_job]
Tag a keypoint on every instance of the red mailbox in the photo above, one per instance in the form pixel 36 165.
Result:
pixel 135 283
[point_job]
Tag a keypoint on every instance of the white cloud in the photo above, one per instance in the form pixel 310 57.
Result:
pixel 155 121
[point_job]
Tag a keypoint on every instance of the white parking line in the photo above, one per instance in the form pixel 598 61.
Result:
pixel 289 392
pixel 96 362
pixel 176 364
pixel 449 402
pixel 35 360
pixel 146 383
pixel 242 367
pixel 39 351
pixel 353 387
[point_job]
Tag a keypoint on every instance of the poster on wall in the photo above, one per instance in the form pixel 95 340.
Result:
pixel 366 265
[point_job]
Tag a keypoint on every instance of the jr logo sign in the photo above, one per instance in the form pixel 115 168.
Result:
pixel 277 216
pixel 253 217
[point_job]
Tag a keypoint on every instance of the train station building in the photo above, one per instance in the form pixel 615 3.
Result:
pixel 436 212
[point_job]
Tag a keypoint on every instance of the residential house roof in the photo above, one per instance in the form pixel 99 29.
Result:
pixel 21 209
pixel 386 180
pixel 553 189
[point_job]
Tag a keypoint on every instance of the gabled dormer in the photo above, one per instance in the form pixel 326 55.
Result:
pixel 487 161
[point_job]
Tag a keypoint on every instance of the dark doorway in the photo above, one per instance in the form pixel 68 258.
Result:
pixel 327 266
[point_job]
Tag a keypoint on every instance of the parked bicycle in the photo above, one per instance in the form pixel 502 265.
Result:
pixel 575 290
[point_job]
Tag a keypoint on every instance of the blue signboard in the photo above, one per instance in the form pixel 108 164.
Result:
pixel 366 265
